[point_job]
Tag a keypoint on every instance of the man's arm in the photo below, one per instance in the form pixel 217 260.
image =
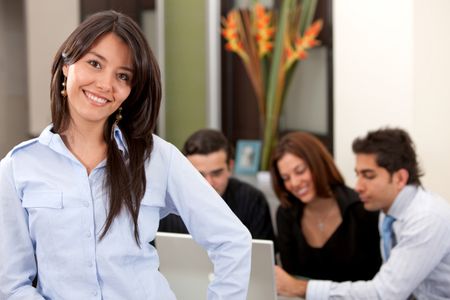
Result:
pixel 288 285
pixel 421 247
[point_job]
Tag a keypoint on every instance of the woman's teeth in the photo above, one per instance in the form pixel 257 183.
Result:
pixel 96 99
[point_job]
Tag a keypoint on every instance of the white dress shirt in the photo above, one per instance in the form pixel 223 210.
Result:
pixel 52 212
pixel 419 263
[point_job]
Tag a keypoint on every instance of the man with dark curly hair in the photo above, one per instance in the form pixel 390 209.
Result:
pixel 414 226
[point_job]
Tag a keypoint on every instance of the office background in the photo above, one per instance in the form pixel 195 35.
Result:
pixel 390 67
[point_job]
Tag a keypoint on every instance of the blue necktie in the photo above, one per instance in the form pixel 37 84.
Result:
pixel 387 234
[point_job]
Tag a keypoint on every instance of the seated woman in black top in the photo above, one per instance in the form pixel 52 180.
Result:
pixel 324 232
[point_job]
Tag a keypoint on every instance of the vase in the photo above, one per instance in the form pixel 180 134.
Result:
pixel 263 177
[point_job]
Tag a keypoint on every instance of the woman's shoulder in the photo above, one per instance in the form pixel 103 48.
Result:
pixel 346 197
pixel 289 212
pixel 32 147
pixel 25 146
pixel 159 142
pixel 164 152
pixel 350 202
pixel 161 147
pixel 21 158
pixel 347 193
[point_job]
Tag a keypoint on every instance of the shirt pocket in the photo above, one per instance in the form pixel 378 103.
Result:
pixel 44 199
pixel 43 208
pixel 151 205
pixel 54 208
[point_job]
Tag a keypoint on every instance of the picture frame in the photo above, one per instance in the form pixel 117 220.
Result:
pixel 248 153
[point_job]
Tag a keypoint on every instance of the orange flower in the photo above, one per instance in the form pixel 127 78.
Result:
pixel 309 39
pixel 314 29
pixel 264 32
pixel 298 52
pixel 251 34
pixel 231 34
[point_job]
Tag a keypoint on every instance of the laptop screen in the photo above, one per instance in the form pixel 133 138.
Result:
pixel 187 267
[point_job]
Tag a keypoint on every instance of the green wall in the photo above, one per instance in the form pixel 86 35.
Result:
pixel 185 68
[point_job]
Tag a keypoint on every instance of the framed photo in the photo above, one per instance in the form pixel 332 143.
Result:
pixel 248 153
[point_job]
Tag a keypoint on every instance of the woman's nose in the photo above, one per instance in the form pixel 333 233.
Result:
pixel 296 180
pixel 105 82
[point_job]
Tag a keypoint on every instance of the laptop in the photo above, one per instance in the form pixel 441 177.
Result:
pixel 187 267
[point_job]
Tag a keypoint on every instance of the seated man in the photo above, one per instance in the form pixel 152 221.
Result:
pixel 414 225
pixel 210 152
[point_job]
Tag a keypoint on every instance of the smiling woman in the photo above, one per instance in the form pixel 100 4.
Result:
pixel 95 87
pixel 99 82
pixel 86 196
pixel 323 230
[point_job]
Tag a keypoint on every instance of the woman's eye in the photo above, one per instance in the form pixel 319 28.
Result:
pixel 301 171
pixel 94 63
pixel 124 77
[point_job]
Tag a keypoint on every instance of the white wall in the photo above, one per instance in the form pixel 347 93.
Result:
pixel 432 91
pixel 48 23
pixel 13 80
pixel 391 69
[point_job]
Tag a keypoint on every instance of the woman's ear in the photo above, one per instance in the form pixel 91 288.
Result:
pixel 65 70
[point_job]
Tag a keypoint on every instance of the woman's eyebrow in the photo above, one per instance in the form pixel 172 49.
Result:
pixel 101 57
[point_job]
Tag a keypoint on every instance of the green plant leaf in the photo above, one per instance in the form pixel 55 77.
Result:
pixel 275 78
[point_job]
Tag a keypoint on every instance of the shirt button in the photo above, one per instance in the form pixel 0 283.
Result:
pixel 90 264
pixel 94 293
pixel 88 234
pixel 86 204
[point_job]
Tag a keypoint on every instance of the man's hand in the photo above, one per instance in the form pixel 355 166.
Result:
pixel 289 286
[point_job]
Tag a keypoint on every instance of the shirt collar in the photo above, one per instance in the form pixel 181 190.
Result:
pixel 55 142
pixel 402 201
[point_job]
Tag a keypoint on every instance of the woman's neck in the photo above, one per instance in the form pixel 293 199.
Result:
pixel 86 143
pixel 320 205
pixel 84 134
pixel 320 220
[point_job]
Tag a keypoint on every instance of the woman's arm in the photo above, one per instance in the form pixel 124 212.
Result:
pixel 17 260
pixel 213 225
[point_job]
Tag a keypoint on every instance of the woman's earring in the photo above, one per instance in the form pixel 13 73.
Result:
pixel 118 116
pixel 64 91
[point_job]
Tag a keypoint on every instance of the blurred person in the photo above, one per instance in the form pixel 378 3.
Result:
pixel 212 155
pixel 324 232
pixel 80 203
pixel 415 226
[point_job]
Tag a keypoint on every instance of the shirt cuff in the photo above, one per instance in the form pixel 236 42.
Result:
pixel 318 290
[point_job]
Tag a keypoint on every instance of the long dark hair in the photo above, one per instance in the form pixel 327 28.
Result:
pixel 324 172
pixel 125 175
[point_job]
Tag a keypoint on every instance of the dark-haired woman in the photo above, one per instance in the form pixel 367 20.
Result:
pixel 324 232
pixel 80 203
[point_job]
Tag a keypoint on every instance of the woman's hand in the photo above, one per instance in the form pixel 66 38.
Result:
pixel 289 286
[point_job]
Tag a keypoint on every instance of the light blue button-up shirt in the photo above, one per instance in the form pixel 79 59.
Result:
pixel 52 213
pixel 419 263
